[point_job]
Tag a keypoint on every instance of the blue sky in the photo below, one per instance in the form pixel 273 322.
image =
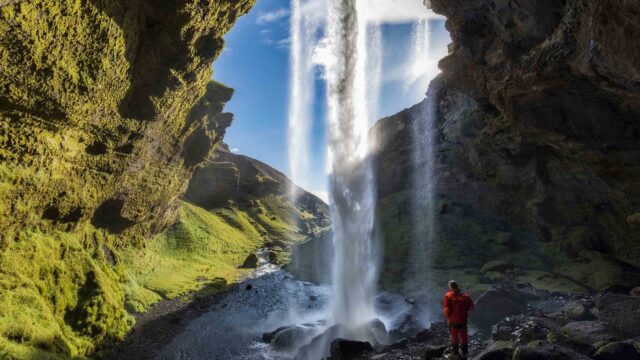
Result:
pixel 255 63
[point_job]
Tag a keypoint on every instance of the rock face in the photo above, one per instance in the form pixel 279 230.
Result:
pixel 106 107
pixel 536 120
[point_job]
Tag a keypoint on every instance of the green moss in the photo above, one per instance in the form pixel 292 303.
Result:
pixel 59 294
pixel 200 249
pixel 466 241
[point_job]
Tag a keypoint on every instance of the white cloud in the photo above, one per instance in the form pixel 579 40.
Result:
pixel 235 150
pixel 284 43
pixel 272 16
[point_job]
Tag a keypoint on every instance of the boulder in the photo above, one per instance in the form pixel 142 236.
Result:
pixel 434 352
pixel 273 257
pixel 617 351
pixel 634 219
pixel 251 262
pixel 342 349
pixel 497 303
pixel 291 337
pixel 523 329
pixel 621 312
pixel 501 350
pixel 587 332
pixel 576 311
pixel 547 352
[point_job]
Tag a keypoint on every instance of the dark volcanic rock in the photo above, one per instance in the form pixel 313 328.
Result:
pixel 617 351
pixel 547 352
pixel 502 350
pixel 587 332
pixel 497 303
pixel 523 329
pixel 251 262
pixel 342 349
pixel 621 312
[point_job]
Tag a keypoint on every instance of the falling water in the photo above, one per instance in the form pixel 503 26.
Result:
pixel 301 94
pixel 423 182
pixel 351 179
pixel 374 70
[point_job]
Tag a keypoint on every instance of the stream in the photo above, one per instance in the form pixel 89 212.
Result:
pixel 269 299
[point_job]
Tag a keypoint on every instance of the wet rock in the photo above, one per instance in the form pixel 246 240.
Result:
pixel 501 350
pixel 291 337
pixel 268 336
pixel 432 352
pixel 251 262
pixel 342 349
pixel 497 303
pixel 576 311
pixel 587 332
pixel 617 351
pixel 403 343
pixel 248 287
pixel 273 257
pixel 547 352
pixel 318 344
pixel 523 329
pixel 621 312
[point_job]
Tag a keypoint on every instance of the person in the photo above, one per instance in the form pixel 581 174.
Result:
pixel 457 305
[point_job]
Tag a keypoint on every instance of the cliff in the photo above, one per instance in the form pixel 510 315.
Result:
pixel 537 147
pixel 106 109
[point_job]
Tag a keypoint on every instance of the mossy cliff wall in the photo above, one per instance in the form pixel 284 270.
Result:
pixel 106 107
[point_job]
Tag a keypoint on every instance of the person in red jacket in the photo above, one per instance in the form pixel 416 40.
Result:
pixel 457 305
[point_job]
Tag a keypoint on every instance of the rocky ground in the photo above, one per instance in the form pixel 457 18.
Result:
pixel 520 322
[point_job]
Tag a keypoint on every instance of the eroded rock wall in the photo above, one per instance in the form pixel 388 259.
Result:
pixel 98 115
pixel 537 120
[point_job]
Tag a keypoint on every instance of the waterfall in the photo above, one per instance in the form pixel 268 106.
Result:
pixel 301 93
pixel 351 182
pixel 423 182
pixel 374 70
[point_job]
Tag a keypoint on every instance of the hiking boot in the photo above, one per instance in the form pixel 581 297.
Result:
pixel 464 351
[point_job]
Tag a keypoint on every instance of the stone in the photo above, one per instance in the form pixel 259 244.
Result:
pixel 617 351
pixel 273 257
pixel 291 337
pixel 342 349
pixel 547 352
pixel 634 219
pixel 523 329
pixel 501 350
pixel 497 303
pixel 635 291
pixel 621 312
pixel 576 310
pixel 433 352
pixel 587 332
pixel 251 262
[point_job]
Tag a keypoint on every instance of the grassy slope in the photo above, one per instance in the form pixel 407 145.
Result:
pixel 202 251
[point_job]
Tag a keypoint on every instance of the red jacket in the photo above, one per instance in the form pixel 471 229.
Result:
pixel 457 307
